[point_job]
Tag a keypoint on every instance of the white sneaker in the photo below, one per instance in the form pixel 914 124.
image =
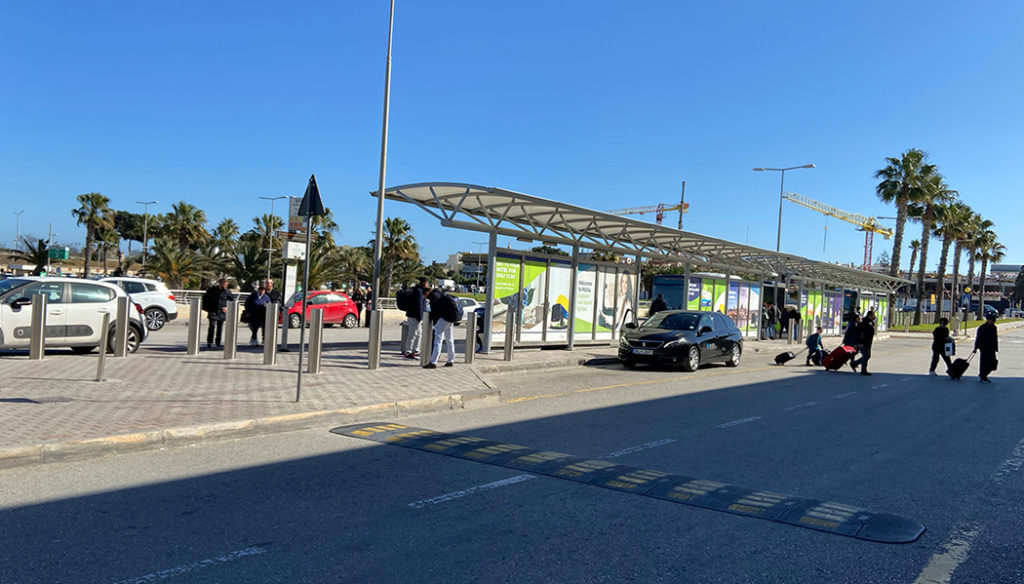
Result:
pixel 932 373
pixel 253 342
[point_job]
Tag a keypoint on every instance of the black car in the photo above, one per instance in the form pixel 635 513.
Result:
pixel 681 337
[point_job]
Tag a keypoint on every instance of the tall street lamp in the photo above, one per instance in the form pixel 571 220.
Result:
pixel 145 230
pixel 17 227
pixel 478 244
pixel 778 236
pixel 270 246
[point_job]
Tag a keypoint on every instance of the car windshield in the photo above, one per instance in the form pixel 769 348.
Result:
pixel 679 321
pixel 11 284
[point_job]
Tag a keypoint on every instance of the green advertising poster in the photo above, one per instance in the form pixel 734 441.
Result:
pixel 534 291
pixel 586 286
pixel 707 293
pixel 506 276
pixel 721 293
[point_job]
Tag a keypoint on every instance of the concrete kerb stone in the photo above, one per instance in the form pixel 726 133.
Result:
pixel 79 449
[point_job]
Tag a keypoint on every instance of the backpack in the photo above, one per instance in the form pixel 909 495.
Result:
pixel 452 309
pixel 402 299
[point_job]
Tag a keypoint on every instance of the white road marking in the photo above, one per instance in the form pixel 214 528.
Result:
pixel 880 386
pixel 738 422
pixel 803 405
pixel 186 568
pixel 906 379
pixel 1010 465
pixel 941 566
pixel 524 477
pixel 845 395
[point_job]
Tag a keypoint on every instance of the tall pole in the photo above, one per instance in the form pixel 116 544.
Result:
pixel 478 244
pixel 49 239
pixel 682 205
pixel 305 299
pixel 379 239
pixel 145 230
pixel 17 227
pixel 782 183
pixel 270 242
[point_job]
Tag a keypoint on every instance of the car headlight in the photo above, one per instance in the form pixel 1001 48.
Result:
pixel 676 343
pixel 623 342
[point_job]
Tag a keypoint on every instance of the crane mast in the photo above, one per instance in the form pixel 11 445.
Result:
pixel 869 225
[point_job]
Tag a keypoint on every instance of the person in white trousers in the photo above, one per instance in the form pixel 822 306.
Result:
pixel 443 315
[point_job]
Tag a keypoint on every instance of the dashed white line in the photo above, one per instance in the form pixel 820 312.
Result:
pixel 941 566
pixel 1010 465
pixel 738 422
pixel 906 379
pixel 186 568
pixel 803 405
pixel 880 386
pixel 845 395
pixel 524 477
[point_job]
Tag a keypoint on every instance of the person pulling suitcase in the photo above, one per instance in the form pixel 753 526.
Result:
pixel 940 338
pixel 986 344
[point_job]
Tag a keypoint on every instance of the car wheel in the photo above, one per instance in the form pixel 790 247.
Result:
pixel 629 364
pixel 692 359
pixel 134 339
pixel 351 321
pixel 155 318
pixel 82 350
pixel 734 357
pixel 294 320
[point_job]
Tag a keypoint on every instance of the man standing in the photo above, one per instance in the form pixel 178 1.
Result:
pixel 657 305
pixel 273 293
pixel 444 314
pixel 867 336
pixel 215 303
pixel 417 305
pixel 986 341
pixel 359 298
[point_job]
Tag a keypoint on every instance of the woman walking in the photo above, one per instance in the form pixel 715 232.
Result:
pixel 940 336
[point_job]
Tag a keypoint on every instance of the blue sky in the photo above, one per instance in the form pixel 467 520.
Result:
pixel 598 104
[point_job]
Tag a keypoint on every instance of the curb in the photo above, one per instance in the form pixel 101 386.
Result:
pixel 83 448
pixel 513 367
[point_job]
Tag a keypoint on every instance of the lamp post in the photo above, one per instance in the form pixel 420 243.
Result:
pixel 478 244
pixel 782 182
pixel 145 230
pixel 17 227
pixel 270 246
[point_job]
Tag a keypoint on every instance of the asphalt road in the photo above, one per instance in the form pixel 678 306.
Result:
pixel 317 507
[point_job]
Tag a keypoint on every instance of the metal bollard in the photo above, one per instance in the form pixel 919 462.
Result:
pixel 37 338
pixel 906 322
pixel 195 312
pixel 270 334
pixel 404 325
pixel 510 334
pixel 470 337
pixel 104 328
pixel 426 339
pixel 373 319
pixel 121 327
pixel 231 330
pixel 316 340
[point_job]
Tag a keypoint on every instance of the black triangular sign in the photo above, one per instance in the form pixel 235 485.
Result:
pixel 311 202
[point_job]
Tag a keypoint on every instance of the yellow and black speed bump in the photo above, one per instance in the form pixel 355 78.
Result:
pixel 821 515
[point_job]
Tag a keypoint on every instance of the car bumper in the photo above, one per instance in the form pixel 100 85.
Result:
pixel 673 355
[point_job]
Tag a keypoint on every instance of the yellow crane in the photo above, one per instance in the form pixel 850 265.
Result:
pixel 658 210
pixel 869 225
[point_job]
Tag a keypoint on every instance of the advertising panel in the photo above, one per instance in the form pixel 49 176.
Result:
pixel 732 301
pixel 707 293
pixel 721 293
pixel 559 285
pixel 506 292
pixel 693 294
pixel 531 320
pixel 586 286
pixel 883 313
pixel 755 310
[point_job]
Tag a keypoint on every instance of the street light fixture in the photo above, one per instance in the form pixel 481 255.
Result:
pixel 145 230
pixel 270 247
pixel 782 182
pixel 17 227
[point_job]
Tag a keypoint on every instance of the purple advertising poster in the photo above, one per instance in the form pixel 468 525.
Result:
pixel 693 294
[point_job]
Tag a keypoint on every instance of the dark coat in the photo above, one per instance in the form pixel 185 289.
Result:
pixel 851 338
pixel 986 339
pixel 657 305
pixel 419 303
pixel 275 296
pixel 939 337
pixel 866 331
pixel 214 299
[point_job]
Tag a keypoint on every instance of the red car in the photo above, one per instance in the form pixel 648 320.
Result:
pixel 338 309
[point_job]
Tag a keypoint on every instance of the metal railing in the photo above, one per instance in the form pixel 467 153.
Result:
pixel 183 297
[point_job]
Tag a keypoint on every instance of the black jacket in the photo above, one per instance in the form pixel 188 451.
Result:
pixel 851 338
pixel 866 331
pixel 214 299
pixel 986 339
pixel 419 302
pixel 939 337
pixel 657 305
pixel 442 306
pixel 275 296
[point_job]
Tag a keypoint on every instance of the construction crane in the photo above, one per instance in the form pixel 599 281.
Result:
pixel 658 210
pixel 869 225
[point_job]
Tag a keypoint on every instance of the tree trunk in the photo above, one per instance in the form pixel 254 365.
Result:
pixel 981 286
pixel 940 278
pixel 970 276
pixel 955 292
pixel 913 261
pixel 88 251
pixel 925 238
pixel 897 240
pixel 104 249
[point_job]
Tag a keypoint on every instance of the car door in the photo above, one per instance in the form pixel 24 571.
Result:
pixel 723 335
pixel 17 320
pixel 317 302
pixel 88 303
pixel 709 350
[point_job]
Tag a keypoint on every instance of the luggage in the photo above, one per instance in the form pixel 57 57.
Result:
pixel 838 357
pixel 783 358
pixel 959 367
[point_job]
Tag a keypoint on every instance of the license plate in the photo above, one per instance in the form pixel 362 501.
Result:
pixel 643 351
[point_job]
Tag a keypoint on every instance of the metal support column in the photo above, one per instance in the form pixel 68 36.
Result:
pixel 373 352
pixel 194 314
pixel 636 290
pixel 492 246
pixel 573 284
pixel 231 330
pixel 270 334
pixel 101 362
pixel 470 337
pixel 37 334
pixel 426 339
pixel 510 336
pixel 316 340
pixel 121 327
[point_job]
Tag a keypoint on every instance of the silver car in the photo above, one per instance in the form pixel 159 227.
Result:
pixel 157 301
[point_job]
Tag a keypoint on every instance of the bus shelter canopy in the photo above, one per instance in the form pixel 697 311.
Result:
pixel 526 217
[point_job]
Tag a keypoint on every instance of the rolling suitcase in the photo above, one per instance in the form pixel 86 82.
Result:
pixel 959 367
pixel 837 358
pixel 787 356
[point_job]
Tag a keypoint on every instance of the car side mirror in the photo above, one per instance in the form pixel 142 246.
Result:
pixel 629 325
pixel 17 303
pixel 705 329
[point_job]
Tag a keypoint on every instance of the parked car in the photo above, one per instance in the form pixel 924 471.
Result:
pixel 74 313
pixel 338 308
pixel 468 304
pixel 157 301
pixel 681 337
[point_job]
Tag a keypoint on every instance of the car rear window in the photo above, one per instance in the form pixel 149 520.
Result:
pixel 132 287
pixel 151 287
pixel 82 293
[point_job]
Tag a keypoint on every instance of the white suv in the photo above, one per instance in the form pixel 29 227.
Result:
pixel 74 313
pixel 156 300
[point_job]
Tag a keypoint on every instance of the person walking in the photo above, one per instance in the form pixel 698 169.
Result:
pixel 657 305
pixel 986 342
pixel 784 322
pixel 771 316
pixel 940 336
pixel 416 305
pixel 215 304
pixel 369 306
pixel 444 313
pixel 359 298
pixel 256 313
pixel 794 322
pixel 851 338
pixel 866 332
pixel 273 294
pixel 815 350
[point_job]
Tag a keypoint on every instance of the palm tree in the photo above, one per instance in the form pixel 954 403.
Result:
pixel 935 192
pixel 974 240
pixel 225 234
pixel 398 244
pixel 108 237
pixel 356 263
pixel 186 224
pixel 34 250
pixel 93 215
pixel 915 247
pixel 990 251
pixel 248 262
pixel 171 264
pixel 902 179
pixel 951 219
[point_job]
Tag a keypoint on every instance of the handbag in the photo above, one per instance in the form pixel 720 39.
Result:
pixel 245 316
pixel 949 348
